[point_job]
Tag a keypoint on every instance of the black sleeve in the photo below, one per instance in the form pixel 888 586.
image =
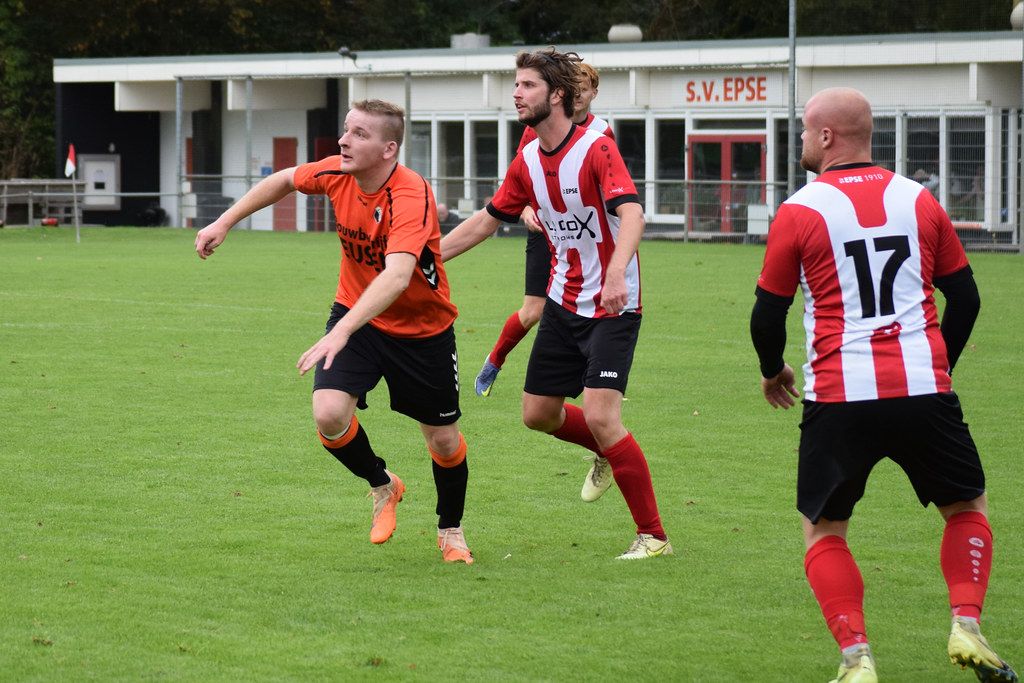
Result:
pixel 768 330
pixel 504 217
pixel 612 204
pixel 962 305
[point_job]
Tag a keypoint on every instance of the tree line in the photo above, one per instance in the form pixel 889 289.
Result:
pixel 34 32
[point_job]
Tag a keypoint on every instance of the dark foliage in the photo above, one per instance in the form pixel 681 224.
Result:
pixel 33 32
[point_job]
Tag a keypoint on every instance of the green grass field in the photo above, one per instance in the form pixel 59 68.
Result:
pixel 168 512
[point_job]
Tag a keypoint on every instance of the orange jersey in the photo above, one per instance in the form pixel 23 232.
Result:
pixel 400 217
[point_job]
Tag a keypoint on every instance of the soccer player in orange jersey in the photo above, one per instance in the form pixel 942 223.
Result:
pixel 392 315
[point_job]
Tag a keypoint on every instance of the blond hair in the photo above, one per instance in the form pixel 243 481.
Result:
pixel 393 117
pixel 589 72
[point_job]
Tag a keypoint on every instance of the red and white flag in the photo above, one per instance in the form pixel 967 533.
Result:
pixel 69 165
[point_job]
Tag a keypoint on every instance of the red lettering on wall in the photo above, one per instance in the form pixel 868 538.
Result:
pixel 728 89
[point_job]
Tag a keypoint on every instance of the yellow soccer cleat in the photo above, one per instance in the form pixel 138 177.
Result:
pixel 857 667
pixel 968 648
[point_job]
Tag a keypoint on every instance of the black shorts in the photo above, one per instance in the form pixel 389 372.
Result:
pixel 571 352
pixel 925 435
pixel 422 374
pixel 538 264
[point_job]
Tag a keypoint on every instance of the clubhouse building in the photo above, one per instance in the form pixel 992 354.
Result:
pixel 706 127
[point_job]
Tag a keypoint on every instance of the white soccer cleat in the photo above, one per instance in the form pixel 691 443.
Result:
pixel 599 478
pixel 646 546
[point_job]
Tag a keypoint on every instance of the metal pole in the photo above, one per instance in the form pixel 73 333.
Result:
pixel 248 143
pixel 408 118
pixel 178 142
pixel 688 198
pixel 791 140
pixel 74 196
pixel 1020 158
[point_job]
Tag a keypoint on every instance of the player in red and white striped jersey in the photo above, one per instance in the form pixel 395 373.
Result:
pixel 868 248
pixel 593 222
pixel 538 270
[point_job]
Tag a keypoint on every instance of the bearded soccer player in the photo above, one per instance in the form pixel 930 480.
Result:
pixel 593 222
pixel 868 248
pixel 538 270
pixel 392 316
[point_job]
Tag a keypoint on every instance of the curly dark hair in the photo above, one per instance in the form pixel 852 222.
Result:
pixel 560 70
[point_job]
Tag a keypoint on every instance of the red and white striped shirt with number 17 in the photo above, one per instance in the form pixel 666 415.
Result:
pixel 865 245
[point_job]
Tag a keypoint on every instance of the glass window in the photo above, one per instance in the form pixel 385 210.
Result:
pixel 630 136
pixel 671 166
pixel 451 160
pixel 515 134
pixel 485 160
pixel 966 149
pixel 883 142
pixel 923 152
pixel 419 148
pixel 782 160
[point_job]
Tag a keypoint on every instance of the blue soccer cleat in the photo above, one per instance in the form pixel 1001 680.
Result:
pixel 485 380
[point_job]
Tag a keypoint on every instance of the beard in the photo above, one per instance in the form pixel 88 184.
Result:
pixel 537 115
pixel 808 164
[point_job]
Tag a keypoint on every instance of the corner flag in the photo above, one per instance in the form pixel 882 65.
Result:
pixel 69 165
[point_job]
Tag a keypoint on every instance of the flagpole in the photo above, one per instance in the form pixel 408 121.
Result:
pixel 70 168
pixel 74 194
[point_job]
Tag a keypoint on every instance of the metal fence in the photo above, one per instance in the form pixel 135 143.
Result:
pixel 697 210
pixel 740 211
pixel 27 201
pixel 34 202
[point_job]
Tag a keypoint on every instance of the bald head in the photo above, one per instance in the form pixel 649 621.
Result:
pixel 837 129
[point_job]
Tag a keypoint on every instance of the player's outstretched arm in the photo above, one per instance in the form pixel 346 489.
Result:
pixel 269 190
pixel 378 295
pixel 468 234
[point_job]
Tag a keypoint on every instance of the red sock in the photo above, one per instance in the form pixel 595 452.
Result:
pixel 629 467
pixel 511 334
pixel 575 429
pixel 839 589
pixel 966 559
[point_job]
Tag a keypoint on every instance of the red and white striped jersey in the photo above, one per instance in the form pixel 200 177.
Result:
pixel 593 123
pixel 576 189
pixel 865 245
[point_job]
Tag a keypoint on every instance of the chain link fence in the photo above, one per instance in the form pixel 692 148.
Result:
pixel 698 210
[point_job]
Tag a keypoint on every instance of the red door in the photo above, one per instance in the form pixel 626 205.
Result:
pixel 728 173
pixel 285 156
